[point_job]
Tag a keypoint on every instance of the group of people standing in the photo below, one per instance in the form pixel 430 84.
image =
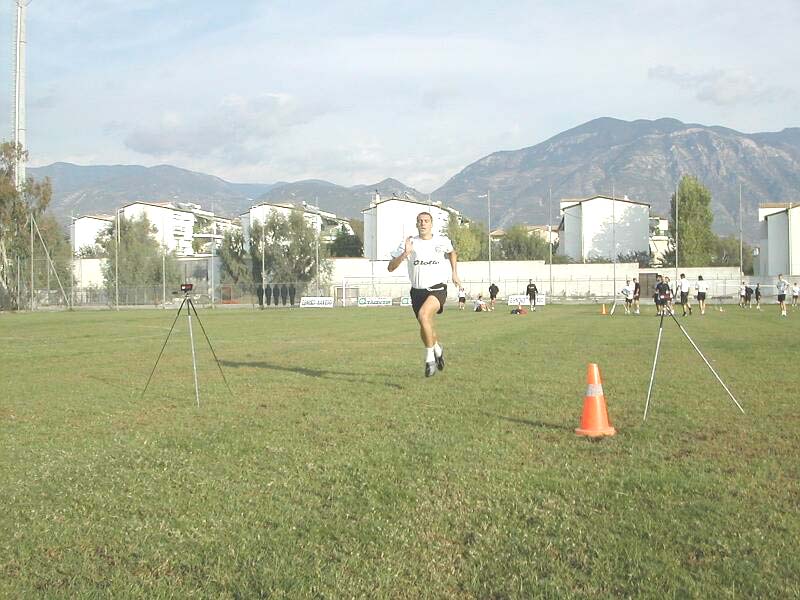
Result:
pixel 664 295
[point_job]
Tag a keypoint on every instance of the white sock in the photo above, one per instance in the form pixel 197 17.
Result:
pixel 437 349
pixel 429 355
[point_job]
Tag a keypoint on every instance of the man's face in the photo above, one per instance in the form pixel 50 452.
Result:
pixel 424 224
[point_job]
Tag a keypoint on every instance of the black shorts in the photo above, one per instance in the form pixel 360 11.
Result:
pixel 628 301
pixel 419 295
pixel 684 297
pixel 781 297
pixel 701 296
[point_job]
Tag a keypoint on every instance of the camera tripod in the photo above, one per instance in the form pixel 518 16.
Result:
pixel 187 302
pixel 655 360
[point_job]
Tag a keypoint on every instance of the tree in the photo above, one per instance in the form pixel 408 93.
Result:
pixel 141 258
pixel 725 253
pixel 200 225
pixel 16 206
pixel 469 239
pixel 232 254
pixel 519 244
pixel 290 250
pixel 695 238
pixel 346 244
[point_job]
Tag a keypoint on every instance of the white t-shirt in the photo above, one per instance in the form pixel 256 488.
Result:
pixel 796 291
pixel 684 285
pixel 781 285
pixel 427 263
pixel 627 291
pixel 701 287
pixel 742 290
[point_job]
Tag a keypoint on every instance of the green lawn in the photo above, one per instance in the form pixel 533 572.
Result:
pixel 335 469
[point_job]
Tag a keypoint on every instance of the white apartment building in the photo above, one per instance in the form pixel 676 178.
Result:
pixel 389 221
pixel 176 226
pixel 779 250
pixel 85 230
pixel 603 227
pixel 325 224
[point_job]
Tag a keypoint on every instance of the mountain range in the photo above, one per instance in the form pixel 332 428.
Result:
pixel 641 159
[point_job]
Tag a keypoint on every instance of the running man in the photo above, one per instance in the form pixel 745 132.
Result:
pixel 670 294
pixel 702 289
pixel 462 298
pixel 493 291
pixel 684 284
pixel 531 290
pixel 637 291
pixel 758 296
pixel 432 261
pixel 780 287
pixel 627 293
pixel 742 294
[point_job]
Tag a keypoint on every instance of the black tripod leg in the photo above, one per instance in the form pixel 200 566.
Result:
pixel 655 362
pixel 219 366
pixel 708 364
pixel 180 308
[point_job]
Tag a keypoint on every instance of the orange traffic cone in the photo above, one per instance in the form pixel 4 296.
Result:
pixel 603 310
pixel 594 421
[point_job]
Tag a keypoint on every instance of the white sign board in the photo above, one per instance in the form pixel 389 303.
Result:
pixel 405 301
pixel 517 299
pixel 316 302
pixel 374 301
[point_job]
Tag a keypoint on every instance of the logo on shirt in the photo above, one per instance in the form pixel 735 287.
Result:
pixel 425 262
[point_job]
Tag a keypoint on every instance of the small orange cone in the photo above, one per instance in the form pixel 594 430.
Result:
pixel 603 310
pixel 594 421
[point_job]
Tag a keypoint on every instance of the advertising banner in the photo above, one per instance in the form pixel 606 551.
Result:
pixel 517 299
pixel 374 301
pixel 316 302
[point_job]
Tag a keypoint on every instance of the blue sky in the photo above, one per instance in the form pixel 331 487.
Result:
pixel 353 92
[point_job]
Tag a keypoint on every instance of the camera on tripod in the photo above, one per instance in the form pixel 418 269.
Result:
pixel 186 287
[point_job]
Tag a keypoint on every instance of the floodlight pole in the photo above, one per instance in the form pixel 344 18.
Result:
pixel 741 245
pixel 614 241
pixel 31 215
pixel 677 189
pixel 263 270
pixel 116 265
pixel 489 211
pixel 550 235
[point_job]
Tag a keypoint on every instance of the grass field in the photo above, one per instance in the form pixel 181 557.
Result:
pixel 335 469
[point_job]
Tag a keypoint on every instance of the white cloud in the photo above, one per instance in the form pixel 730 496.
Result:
pixel 722 87
pixel 239 129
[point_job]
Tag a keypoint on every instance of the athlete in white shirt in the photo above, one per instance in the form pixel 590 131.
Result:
pixel 702 289
pixel 627 293
pixel 431 263
pixel 780 287
pixel 684 287
pixel 795 294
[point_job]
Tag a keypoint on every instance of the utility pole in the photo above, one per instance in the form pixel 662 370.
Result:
pixel 741 244
pixel 550 237
pixel 489 211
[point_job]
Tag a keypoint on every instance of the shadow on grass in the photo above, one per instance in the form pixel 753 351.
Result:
pixel 309 372
pixel 539 424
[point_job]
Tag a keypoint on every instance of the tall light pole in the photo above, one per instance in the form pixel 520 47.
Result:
pixel 116 264
pixel 550 237
pixel 263 270
pixel 677 203
pixel 488 196
pixel 741 245
pixel 20 45
pixel 614 238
